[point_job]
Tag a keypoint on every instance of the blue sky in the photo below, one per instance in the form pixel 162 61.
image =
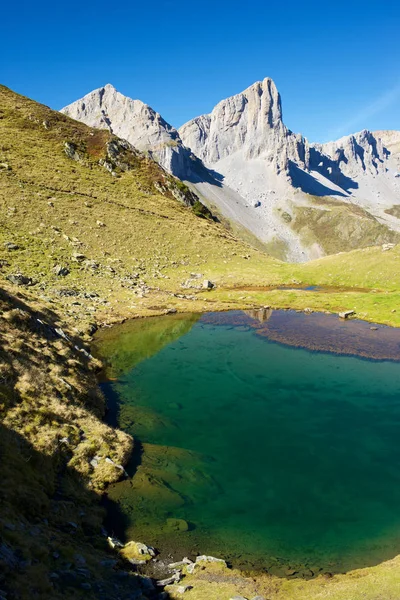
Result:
pixel 336 64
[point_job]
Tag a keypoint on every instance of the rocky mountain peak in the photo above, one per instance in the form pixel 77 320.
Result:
pixel 134 121
pixel 256 172
pixel 249 121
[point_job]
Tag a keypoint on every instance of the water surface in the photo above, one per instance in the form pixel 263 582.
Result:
pixel 273 436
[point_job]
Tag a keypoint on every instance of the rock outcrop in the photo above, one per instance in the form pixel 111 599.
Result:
pixel 391 141
pixel 356 154
pixel 277 173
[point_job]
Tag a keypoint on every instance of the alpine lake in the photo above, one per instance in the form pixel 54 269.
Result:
pixel 268 438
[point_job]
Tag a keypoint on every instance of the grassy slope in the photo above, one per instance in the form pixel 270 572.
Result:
pixel 339 226
pixel 145 232
pixel 50 206
pixel 50 429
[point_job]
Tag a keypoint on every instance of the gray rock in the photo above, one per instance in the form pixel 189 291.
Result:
pixel 207 284
pixel 386 247
pixel 78 257
pixel 70 150
pixel 346 314
pixel 210 559
pixel 60 271
pixel 11 246
pixel 169 580
pixel 181 589
pixel 180 563
pixel 19 279
pixel 114 542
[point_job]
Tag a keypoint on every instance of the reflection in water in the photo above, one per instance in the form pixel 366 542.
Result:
pixel 259 314
pixel 267 454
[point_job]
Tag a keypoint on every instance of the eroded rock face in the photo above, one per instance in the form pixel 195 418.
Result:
pixel 355 154
pixel 134 121
pixel 250 123
pixel 391 141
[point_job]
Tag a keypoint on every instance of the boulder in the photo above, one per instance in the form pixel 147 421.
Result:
pixel 137 552
pixel 78 257
pixel 11 246
pixel 346 314
pixel 210 559
pixel 169 580
pixel 60 271
pixel 207 284
pixel 114 542
pixel 181 589
pixel 19 279
pixel 180 563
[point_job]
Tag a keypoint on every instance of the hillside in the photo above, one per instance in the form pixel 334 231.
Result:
pixel 298 200
pixel 112 230
pixel 93 231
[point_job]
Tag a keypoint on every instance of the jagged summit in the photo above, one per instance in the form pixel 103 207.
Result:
pixel 261 176
pixel 133 120
pixel 250 122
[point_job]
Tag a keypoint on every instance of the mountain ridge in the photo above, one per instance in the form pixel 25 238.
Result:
pixel 258 175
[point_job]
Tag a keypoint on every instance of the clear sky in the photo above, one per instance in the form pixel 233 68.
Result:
pixel 336 64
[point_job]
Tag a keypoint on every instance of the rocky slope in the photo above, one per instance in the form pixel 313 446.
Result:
pixel 136 122
pixel 277 172
pixel 267 183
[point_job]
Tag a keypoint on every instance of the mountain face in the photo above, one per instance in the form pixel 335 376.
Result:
pixel 391 141
pixel 134 121
pixel 300 200
pixel 286 181
pixel 249 123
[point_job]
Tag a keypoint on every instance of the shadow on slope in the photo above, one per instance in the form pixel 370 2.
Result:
pixel 308 184
pixel 52 544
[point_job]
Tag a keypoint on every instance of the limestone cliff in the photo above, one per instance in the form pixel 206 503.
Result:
pixel 135 121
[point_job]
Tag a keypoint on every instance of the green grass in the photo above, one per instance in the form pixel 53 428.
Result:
pixel 139 245
pixel 338 226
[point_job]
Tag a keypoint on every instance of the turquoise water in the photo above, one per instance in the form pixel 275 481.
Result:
pixel 275 456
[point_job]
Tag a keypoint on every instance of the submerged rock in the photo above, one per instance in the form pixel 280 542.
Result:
pixel 177 525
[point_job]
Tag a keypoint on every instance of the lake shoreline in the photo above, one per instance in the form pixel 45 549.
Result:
pixel 259 318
